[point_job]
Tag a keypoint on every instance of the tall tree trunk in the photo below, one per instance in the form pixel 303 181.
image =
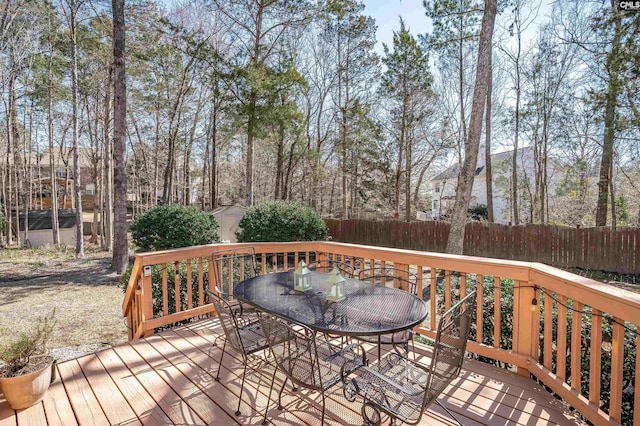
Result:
pixel 76 135
pixel 120 247
pixel 455 242
pixel 407 180
pixel 487 145
pixel 613 90
pixel 108 165
pixel 514 159
pixel 14 142
pixel 52 164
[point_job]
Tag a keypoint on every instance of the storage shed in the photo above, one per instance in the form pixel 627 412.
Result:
pixel 40 227
pixel 229 217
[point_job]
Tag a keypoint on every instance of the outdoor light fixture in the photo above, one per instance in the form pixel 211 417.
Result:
pixel 302 277
pixel 606 342
pixel 335 286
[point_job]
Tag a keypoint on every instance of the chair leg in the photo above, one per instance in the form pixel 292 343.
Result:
pixel 221 358
pixel 323 405
pixel 273 379
pixel 449 412
pixel 280 393
pixel 244 372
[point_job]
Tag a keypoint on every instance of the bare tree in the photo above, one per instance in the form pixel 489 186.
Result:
pixel 120 247
pixel 455 243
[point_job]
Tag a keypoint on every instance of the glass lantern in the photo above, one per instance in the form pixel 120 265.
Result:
pixel 335 286
pixel 302 277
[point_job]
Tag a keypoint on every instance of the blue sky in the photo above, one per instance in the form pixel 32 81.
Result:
pixel 386 13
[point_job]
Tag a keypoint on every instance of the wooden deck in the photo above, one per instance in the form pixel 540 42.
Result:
pixel 166 380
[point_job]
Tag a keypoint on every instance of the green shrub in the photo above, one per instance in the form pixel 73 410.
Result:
pixel 174 226
pixel 279 221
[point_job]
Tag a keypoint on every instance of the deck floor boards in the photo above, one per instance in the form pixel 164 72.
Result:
pixel 169 379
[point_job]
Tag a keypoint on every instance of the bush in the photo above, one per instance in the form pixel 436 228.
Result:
pixel 279 221
pixel 174 226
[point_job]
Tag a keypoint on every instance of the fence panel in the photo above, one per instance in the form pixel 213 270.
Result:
pixel 598 248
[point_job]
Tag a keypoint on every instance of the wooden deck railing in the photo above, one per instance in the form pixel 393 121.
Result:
pixel 566 331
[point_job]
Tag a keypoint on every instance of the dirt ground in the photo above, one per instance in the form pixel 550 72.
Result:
pixel 83 292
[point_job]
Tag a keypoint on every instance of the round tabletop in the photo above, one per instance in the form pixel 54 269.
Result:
pixel 367 310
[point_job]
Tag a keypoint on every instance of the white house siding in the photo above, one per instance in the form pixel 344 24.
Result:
pixel 501 171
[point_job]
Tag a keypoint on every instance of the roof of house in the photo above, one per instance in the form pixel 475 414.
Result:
pixel 41 219
pixel 452 171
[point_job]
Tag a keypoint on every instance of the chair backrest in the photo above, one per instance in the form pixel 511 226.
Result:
pixel 232 266
pixel 294 349
pixel 227 320
pixel 382 275
pixel 327 265
pixel 450 345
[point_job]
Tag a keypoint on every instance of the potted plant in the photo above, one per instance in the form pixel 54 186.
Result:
pixel 25 368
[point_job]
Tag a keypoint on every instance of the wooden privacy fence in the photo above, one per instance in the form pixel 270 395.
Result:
pixel 599 248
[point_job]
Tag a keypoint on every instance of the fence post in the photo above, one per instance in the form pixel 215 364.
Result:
pixel 146 300
pixel 526 322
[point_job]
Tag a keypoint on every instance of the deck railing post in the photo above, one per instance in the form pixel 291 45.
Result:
pixel 526 327
pixel 147 301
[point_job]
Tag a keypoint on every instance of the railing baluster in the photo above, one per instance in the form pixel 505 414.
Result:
pixel 165 290
pixel 285 261
pixel 617 368
pixel 576 345
pixel 213 278
pixel 479 306
pixel 595 357
pixel 463 285
pixel 548 330
pixel 189 285
pixel 200 281
pixel 447 290
pixel 561 352
pixel 177 286
pixel 432 295
pixel 264 263
pixel 496 311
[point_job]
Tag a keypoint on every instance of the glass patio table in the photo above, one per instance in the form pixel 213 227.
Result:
pixel 367 310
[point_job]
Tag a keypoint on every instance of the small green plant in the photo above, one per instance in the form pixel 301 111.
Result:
pixel 15 355
pixel 173 226
pixel 278 221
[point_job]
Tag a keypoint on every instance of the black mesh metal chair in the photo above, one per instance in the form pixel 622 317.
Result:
pixel 399 278
pixel 327 265
pixel 307 359
pixel 230 267
pixel 404 389
pixel 244 336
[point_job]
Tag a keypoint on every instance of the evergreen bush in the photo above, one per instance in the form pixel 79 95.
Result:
pixel 279 221
pixel 174 226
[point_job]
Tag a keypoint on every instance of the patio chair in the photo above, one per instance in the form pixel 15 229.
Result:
pixel 404 389
pixel 246 337
pixel 308 360
pixel 327 266
pixel 399 278
pixel 230 267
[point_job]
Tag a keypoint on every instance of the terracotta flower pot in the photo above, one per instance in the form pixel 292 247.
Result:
pixel 24 391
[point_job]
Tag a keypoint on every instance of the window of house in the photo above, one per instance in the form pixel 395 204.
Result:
pixel 435 205
pixel 437 188
pixel 90 189
pixel 61 173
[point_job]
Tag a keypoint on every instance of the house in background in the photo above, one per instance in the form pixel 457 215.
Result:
pixel 443 186
pixel 229 217
pixel 40 233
